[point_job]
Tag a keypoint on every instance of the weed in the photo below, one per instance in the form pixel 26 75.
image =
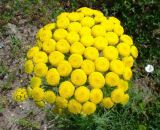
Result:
pixel 8 82
pixel 15 46
pixel 3 70
pixel 2 104
pixel 27 124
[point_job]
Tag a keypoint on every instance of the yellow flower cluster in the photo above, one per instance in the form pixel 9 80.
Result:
pixel 20 94
pixel 81 54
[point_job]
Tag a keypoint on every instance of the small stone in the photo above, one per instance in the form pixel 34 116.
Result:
pixel 1 45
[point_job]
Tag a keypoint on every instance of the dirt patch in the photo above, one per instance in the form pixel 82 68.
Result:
pixel 15 41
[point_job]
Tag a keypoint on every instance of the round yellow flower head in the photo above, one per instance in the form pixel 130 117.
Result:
pixel 82 94
pixel 50 26
pixel 117 95
pixel 107 102
pixel 78 77
pixel 128 61
pixel 77 48
pixel 112 79
pixel 32 52
pixel 75 16
pixel 127 39
pixel 63 46
pixel 98 30
pixel 40 69
pixel 64 68
pixel 39 104
pixel 117 66
pixel 118 29
pixel 114 20
pixel 87 21
pixel 75 27
pixel 50 97
pixel 87 40
pixel 55 58
pixel 88 108
pixel 60 34
pixel 37 94
pixel 91 53
pixel 35 82
pixel 122 84
pixel 127 74
pixel 72 37
pixel 98 13
pixel 100 19
pixel 75 60
pixel 61 102
pixel 49 45
pixel 96 95
pixel 88 66
pixel 40 57
pixel 134 51
pixel 124 99
pixel 66 89
pixel 96 80
pixel 74 106
pixel 86 11
pixel 85 31
pixel 62 22
pixel 112 38
pixel 20 94
pixel 44 34
pixel 110 50
pixel 101 64
pixel 52 77
pixel 63 15
pixel 28 66
pixel 100 42
pixel 123 49
pixel 108 25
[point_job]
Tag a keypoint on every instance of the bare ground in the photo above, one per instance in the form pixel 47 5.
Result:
pixel 15 41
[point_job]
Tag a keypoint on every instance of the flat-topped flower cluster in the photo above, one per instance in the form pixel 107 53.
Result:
pixel 76 60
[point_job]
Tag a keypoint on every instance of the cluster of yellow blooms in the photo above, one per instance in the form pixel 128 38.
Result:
pixel 80 54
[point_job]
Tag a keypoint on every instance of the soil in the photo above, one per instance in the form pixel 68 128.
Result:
pixel 15 77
